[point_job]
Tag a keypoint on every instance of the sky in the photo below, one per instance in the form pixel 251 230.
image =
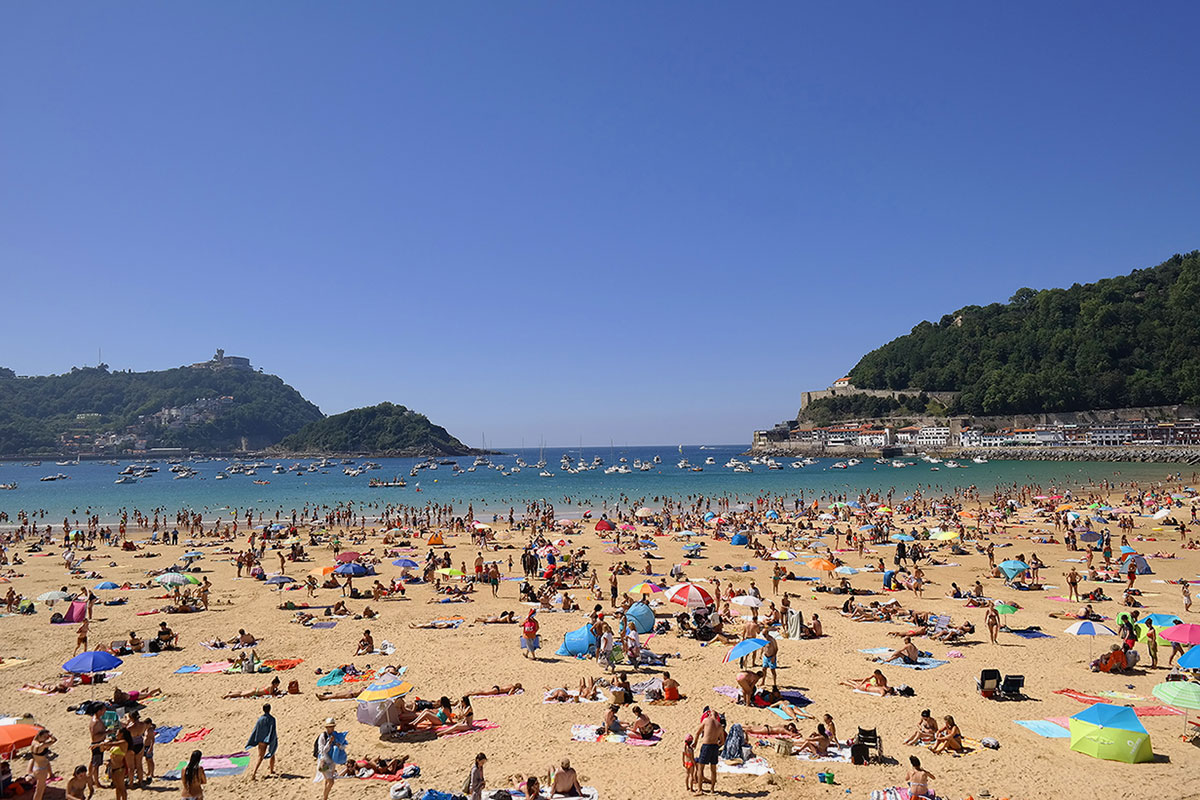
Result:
pixel 641 222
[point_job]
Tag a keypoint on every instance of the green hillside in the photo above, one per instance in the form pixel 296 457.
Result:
pixel 382 430
pixel 235 405
pixel 1132 340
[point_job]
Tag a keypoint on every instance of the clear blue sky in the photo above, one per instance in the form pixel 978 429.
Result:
pixel 650 222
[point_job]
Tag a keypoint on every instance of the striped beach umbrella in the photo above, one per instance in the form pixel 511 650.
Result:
pixel 385 689
pixel 689 595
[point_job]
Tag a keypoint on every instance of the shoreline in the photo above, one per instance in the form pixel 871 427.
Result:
pixel 1130 454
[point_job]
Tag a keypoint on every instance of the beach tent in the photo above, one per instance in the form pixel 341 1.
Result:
pixel 1113 733
pixel 76 613
pixel 604 525
pixel 436 540
pixel 739 540
pixel 579 642
pixel 1139 563
pixel 641 617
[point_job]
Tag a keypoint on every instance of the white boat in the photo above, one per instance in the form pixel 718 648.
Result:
pixel 684 464
pixel 839 465
pixel 546 474
pixel 797 465
pixel 658 459
pixel 220 476
pixel 853 462
pixel 740 467
pixel 126 479
pixel 710 460
pixel 979 460
pixel 8 487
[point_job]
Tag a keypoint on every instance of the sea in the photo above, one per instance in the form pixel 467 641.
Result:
pixel 90 488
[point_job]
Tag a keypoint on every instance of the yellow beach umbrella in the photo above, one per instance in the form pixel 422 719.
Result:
pixel 385 689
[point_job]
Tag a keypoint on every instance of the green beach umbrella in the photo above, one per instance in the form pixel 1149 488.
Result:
pixel 1005 608
pixel 172 579
pixel 1181 694
pixel 1113 733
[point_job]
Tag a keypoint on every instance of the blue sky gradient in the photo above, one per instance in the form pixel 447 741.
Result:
pixel 650 222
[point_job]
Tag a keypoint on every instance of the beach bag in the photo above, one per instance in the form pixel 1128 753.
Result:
pixel 859 754
pixel 293 687
pixel 990 743
pixel 337 754
pixel 466 786
pixel 400 790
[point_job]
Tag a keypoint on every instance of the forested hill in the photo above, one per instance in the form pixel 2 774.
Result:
pixel 382 430
pixel 202 409
pixel 1127 341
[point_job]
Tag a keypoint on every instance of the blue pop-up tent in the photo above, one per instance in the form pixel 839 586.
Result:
pixel 579 642
pixel 641 617
pixel 739 540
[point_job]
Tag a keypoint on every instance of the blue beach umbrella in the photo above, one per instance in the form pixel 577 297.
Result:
pixel 1013 568
pixel 844 570
pixel 688 533
pixel 279 580
pixel 1190 659
pixel 405 562
pixel 1162 620
pixel 1126 550
pixel 352 569
pixel 867 528
pixel 900 537
pixel 106 585
pixel 772 514
pixel 744 648
pixel 1089 537
pixel 92 661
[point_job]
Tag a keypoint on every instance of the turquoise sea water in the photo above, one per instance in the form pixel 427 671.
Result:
pixel 91 484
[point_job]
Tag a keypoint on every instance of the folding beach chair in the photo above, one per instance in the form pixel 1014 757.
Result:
pixel 988 682
pixel 1012 686
pixel 938 624
pixel 870 740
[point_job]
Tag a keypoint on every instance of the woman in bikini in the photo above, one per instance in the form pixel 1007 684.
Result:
pixel 192 787
pixel 465 720
pixel 817 744
pixel 270 690
pixel 948 738
pixel 918 779
pixel 875 683
pixel 497 691
pixel 788 731
pixel 926 732
pixel 40 750
pixel 118 757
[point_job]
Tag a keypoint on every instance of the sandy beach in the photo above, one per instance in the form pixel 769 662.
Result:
pixel 532 736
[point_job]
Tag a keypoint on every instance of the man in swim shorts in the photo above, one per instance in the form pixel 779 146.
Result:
pixel 711 736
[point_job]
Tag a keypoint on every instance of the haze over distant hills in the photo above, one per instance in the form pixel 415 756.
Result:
pixel 220 405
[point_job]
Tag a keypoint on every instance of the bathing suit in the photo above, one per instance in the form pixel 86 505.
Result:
pixel 769 662
pixel 708 754
pixel 670 693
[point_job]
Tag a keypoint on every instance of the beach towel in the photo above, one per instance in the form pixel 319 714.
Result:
pixel 166 734
pixel 283 664
pixel 478 726
pixel 924 662
pixel 214 667
pixel 1157 711
pixel 1044 728
pixel 1031 634
pixel 13 662
pixel 195 736
pixel 323 625
pixel 755 766
pixel 838 754
pixel 729 691
pixel 215 766
pixel 34 690
pixel 587 733
pixel 187 670
pixel 1089 699
pixel 333 678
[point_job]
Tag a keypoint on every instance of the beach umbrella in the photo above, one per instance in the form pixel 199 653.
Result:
pixel 481 526
pixel 1089 537
pixel 92 661
pixel 1126 550
pixel 1161 513
pixel 744 648
pixel 747 600
pixel 625 526
pixel 352 569
pixel 867 528
pixel 689 595
pixel 823 564
pixel 1113 733
pixel 1012 568
pixel 772 514
pixel 1181 694
pixel 279 580
pixel 643 513
pixel 900 537
pixel 193 555
pixel 783 555
pixel 451 571
pixel 348 556
pixel 689 533
pixel 1186 633
pixel 405 562
pixel 844 570
pixel 50 598
pixel 604 525
pixel 1190 659
pixel 386 688
pixel 15 737
pixel 587 513
pixel 1091 630
pixel 1005 608
pixel 944 536
pixel 693 548
pixel 566 523
pixel 321 572
pixel 1162 620
pixel 172 579
pixel 106 585
pixel 645 587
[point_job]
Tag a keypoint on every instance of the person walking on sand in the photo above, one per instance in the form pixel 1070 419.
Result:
pixel 1187 596
pixel 529 635
pixel 323 752
pixel 266 739
pixel 991 618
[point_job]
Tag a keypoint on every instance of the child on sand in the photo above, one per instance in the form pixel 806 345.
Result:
pixel 689 764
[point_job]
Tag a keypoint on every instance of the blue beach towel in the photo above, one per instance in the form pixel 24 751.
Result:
pixel 1030 634
pixel 166 734
pixel 187 669
pixel 1044 728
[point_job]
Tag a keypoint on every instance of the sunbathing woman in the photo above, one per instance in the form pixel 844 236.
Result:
pixel 791 710
pixel 340 694
pixel 817 744
pixel 503 618
pixel 875 683
pixel 270 690
pixel 136 696
pixel 514 688
pixel 948 738
pixel 788 731
pixel 62 686
pixel 437 624
pixel 926 732
pixel 464 721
